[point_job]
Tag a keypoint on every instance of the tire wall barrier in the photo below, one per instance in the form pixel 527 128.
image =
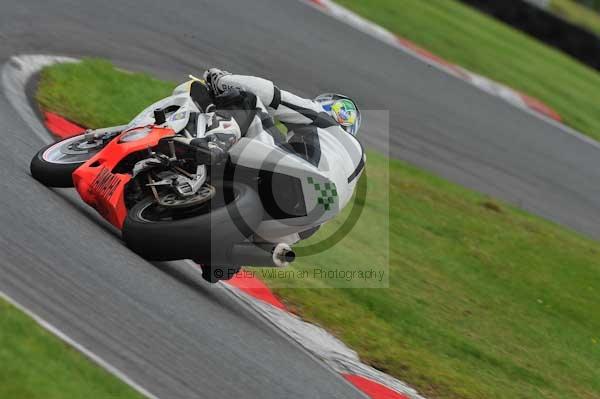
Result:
pixel 546 27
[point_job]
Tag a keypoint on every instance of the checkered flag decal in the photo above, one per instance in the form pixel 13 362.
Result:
pixel 326 193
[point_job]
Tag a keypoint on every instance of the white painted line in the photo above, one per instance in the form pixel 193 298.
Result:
pixel 565 129
pixel 15 75
pixel 88 353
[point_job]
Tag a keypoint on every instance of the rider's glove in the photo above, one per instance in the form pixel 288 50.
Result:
pixel 212 77
pixel 210 152
pixel 218 154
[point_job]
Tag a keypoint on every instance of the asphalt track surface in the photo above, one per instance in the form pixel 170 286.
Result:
pixel 172 334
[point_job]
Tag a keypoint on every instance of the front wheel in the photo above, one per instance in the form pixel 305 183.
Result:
pixel 205 233
pixel 54 164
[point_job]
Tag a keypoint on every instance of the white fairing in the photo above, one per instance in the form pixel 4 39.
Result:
pixel 331 175
pixel 176 120
pixel 340 154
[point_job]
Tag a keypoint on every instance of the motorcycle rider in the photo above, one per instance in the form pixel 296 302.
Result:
pixel 237 107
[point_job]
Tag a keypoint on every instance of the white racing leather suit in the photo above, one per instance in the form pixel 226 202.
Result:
pixel 307 123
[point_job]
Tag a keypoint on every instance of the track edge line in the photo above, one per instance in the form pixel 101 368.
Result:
pixel 76 345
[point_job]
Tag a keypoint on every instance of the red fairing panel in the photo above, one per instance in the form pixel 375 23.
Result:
pixel 104 190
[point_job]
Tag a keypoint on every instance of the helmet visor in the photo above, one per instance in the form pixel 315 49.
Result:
pixel 345 112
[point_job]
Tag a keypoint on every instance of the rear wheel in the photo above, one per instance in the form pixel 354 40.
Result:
pixel 54 164
pixel 204 232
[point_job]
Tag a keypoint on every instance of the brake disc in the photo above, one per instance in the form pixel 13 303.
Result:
pixel 172 200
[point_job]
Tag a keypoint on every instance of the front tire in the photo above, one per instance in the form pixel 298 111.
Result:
pixel 229 218
pixel 53 165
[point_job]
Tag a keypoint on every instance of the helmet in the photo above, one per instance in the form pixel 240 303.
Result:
pixel 342 109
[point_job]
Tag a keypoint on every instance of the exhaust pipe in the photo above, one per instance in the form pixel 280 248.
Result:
pixel 268 254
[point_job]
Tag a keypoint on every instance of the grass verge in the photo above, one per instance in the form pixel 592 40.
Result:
pixel 34 364
pixel 578 14
pixel 485 301
pixel 480 43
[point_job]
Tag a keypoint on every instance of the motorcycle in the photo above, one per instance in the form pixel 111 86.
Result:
pixel 246 211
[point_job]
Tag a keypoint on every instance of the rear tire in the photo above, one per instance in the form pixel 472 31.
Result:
pixel 207 237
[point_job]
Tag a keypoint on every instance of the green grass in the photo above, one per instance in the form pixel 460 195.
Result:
pixel 484 301
pixel 102 97
pixel 34 364
pixel 577 13
pixel 477 42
